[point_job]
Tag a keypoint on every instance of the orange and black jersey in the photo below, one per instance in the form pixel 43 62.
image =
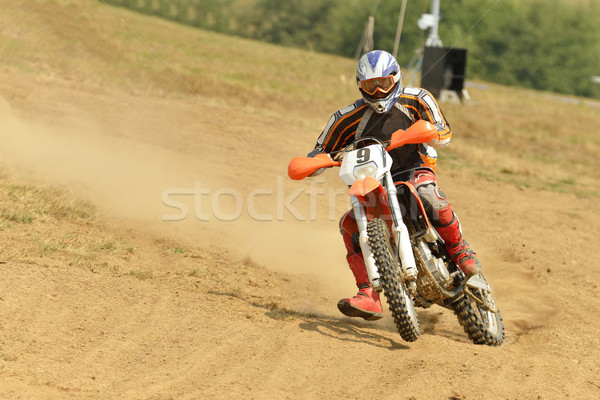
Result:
pixel 347 124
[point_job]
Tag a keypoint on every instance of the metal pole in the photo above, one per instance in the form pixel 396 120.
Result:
pixel 435 10
pixel 399 29
pixel 366 42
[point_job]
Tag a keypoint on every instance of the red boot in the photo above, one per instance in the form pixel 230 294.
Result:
pixel 465 258
pixel 458 248
pixel 366 303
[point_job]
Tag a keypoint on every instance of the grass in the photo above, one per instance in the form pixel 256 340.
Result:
pixel 80 249
pixel 517 136
pixel 542 139
pixel 142 275
pixel 52 229
pixel 23 204
pixel 194 273
pixel 527 127
pixel 255 74
pixel 526 138
pixel 176 250
pixel 57 226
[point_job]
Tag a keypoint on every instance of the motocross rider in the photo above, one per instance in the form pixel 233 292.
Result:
pixel 385 107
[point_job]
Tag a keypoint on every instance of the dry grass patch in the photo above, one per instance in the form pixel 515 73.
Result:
pixel 50 228
pixel 27 203
pixel 530 138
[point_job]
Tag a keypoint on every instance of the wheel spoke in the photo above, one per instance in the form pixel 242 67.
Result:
pixel 398 298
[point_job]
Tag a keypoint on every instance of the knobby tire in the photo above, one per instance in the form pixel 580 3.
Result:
pixel 482 327
pixel 399 301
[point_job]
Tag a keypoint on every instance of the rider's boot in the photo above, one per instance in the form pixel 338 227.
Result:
pixel 366 303
pixel 458 248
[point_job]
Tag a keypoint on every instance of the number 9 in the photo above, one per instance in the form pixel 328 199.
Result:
pixel 363 155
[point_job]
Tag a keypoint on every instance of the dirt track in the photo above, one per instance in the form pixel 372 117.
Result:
pixel 212 323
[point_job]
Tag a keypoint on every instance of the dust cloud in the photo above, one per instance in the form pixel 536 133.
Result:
pixel 132 175
pixel 147 185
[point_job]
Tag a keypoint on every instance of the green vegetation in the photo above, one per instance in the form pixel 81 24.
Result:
pixel 518 139
pixel 142 275
pixel 542 141
pixel 25 203
pixel 176 250
pixel 194 273
pixel 543 44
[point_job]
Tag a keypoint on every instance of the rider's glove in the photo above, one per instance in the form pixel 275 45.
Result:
pixel 318 150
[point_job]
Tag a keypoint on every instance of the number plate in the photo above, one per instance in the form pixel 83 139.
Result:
pixel 371 161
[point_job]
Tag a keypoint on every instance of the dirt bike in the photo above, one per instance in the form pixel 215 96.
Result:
pixel 405 257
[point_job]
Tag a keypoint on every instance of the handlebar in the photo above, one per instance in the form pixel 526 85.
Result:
pixel 301 167
pixel 420 132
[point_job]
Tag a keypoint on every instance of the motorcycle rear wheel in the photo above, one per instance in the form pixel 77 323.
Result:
pixel 398 298
pixel 483 326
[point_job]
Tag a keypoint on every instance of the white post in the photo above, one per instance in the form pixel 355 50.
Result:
pixel 434 39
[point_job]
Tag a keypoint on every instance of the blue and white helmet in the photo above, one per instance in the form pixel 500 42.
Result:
pixel 379 80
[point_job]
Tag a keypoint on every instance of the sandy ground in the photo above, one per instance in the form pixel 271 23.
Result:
pixel 247 308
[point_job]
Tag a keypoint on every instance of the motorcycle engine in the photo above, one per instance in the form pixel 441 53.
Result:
pixel 432 274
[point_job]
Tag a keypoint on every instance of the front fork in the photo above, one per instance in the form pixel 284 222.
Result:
pixel 400 233
pixel 405 252
pixel 363 240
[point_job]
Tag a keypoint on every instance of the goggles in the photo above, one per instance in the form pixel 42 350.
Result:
pixel 383 85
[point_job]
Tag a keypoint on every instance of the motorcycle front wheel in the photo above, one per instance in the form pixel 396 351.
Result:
pixel 398 298
pixel 477 312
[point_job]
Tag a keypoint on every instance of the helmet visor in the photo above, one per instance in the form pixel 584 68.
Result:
pixel 382 85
